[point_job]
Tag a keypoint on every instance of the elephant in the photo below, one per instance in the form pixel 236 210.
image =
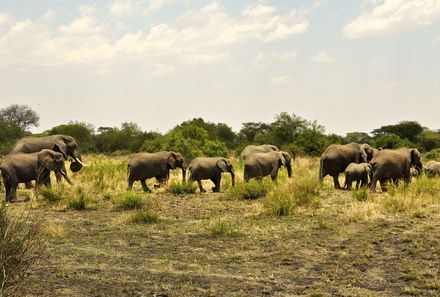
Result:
pixel 337 157
pixel 64 144
pixel 258 165
pixel 432 168
pixel 413 172
pixel 394 165
pixel 358 173
pixel 210 168
pixel 20 167
pixel 143 166
pixel 264 148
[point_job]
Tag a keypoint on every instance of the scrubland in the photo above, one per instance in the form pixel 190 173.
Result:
pixel 290 238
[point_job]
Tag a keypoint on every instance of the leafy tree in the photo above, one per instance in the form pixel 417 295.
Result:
pixel 249 130
pixel 391 141
pixel 9 134
pixel 359 137
pixel 405 130
pixel 82 132
pixel 428 140
pixel 20 115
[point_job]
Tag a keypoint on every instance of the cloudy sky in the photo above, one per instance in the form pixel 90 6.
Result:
pixel 352 65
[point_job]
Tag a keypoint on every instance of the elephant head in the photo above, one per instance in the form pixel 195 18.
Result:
pixel 286 160
pixel 176 160
pixel 367 153
pixel 368 168
pixel 49 160
pixel 416 160
pixel 67 146
pixel 226 166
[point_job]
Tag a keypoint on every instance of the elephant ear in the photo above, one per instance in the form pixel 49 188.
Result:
pixel 415 157
pixel 368 168
pixel 282 159
pixel 222 164
pixel 46 159
pixel 61 147
pixel 172 160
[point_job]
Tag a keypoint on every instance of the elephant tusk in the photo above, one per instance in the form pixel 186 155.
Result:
pixel 79 161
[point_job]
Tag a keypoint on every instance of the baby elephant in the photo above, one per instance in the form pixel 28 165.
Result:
pixel 358 173
pixel 210 168
pixel 432 168
pixel 22 168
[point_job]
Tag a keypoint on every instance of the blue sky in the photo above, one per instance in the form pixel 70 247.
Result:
pixel 351 65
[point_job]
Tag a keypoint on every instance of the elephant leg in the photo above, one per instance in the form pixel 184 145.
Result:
pixel 364 182
pixel 130 184
pixel 357 184
pixel 58 176
pixel 216 180
pixel 28 185
pixel 373 184
pixel 383 184
pixel 8 191
pixel 336 182
pixel 199 183
pixel 144 186
pixel 12 193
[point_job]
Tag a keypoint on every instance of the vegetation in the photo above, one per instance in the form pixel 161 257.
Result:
pixel 181 188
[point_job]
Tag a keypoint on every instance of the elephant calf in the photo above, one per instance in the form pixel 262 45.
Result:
pixel 210 168
pixel 258 165
pixel 21 168
pixel 432 168
pixel 358 173
pixel 143 166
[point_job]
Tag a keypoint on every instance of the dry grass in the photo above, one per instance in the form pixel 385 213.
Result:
pixel 298 238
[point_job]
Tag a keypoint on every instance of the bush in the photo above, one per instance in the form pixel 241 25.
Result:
pixel 303 191
pixel 181 188
pixel 130 200
pixel 144 217
pixel 221 228
pixel 20 248
pixel 432 155
pixel 361 194
pixel 253 189
pixel 50 195
pixel 79 202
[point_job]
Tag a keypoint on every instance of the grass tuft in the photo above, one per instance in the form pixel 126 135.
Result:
pixel 130 200
pixel 361 194
pixel 50 195
pixel 222 228
pixel 253 189
pixel 144 217
pixel 181 188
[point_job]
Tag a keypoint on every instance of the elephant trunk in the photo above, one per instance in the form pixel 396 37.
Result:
pixel 233 177
pixel 289 170
pixel 183 174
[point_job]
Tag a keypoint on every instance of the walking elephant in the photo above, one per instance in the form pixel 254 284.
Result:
pixel 21 168
pixel 264 148
pixel 432 168
pixel 64 144
pixel 394 165
pixel 210 168
pixel 358 173
pixel 258 165
pixel 337 157
pixel 143 166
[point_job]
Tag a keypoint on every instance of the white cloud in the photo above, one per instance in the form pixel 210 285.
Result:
pixel 389 17
pixel 264 60
pixel 436 40
pixel 199 36
pixel 322 57
pixel 281 80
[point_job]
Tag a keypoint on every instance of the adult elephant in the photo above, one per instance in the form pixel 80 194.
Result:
pixel 258 165
pixel 21 168
pixel 337 157
pixel 210 168
pixel 64 144
pixel 143 166
pixel 264 148
pixel 432 168
pixel 394 165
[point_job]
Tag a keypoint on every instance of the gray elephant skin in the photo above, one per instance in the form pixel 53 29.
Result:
pixel 143 166
pixel 259 165
pixel 432 168
pixel 202 168
pixel 264 148
pixel 64 144
pixel 21 168
pixel 394 165
pixel 358 173
pixel 337 157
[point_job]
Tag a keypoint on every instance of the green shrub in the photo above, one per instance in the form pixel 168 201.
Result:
pixel 20 248
pixel 361 194
pixel 130 200
pixel 78 203
pixel 432 155
pixel 144 217
pixel 50 195
pixel 253 189
pixel 299 192
pixel 181 188
pixel 221 228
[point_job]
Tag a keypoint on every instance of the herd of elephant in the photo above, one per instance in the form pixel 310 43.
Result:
pixel 34 158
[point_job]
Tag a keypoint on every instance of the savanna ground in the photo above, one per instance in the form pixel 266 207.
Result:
pixel 299 239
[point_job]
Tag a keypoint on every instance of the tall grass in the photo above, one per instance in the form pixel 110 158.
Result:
pixel 130 200
pixel 253 189
pixel 181 188
pixel 20 249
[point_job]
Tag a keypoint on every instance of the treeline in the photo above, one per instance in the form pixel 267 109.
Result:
pixel 198 137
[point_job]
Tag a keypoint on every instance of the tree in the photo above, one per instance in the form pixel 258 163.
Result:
pixel 9 134
pixel 391 141
pixel 405 130
pixel 359 137
pixel 82 132
pixel 20 115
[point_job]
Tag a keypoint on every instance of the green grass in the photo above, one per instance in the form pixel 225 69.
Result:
pixel 253 189
pixel 144 216
pixel 79 201
pixel 181 188
pixel 130 200
pixel 222 228
pixel 360 194
pixel 50 195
